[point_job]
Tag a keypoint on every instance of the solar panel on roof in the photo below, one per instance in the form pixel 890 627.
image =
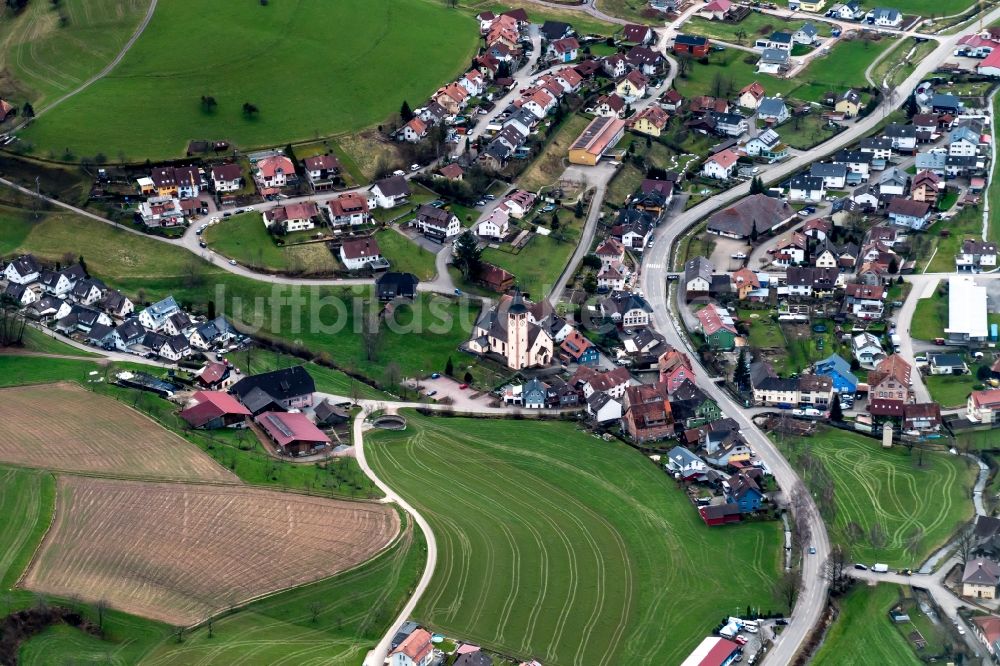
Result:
pixel 279 425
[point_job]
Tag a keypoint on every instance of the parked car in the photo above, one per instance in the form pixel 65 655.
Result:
pixel 436 375
pixel 741 640
pixel 202 244
pixel 812 550
pixel 398 172
pixel 414 167
pixel 673 277
pixel 232 262
pixel 861 567
pixel 431 393
pixel 781 622
pixel 463 386
pixel 490 197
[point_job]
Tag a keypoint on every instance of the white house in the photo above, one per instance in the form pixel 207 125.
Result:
pixel 274 172
pixel 963 142
pixel 437 223
pixel 292 217
pixel 884 17
pixel 155 316
pixel 772 61
pixel 390 192
pixel 603 408
pixel 413 131
pixel 23 270
pixel 496 225
pixel 772 110
pixel 720 166
pixel 807 34
pixel 358 253
pixel 227 178
pixel 867 349
pixel 806 188
pixel 415 650
pixel 751 95
pixel 834 175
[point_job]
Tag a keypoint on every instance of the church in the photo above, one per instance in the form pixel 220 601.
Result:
pixel 516 332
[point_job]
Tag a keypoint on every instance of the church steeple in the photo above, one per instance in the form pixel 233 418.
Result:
pixel 518 306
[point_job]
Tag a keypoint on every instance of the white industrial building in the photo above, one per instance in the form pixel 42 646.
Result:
pixel 967 320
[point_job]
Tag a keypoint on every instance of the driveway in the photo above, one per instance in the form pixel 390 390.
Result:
pixel 462 399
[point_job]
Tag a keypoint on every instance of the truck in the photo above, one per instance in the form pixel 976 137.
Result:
pixel 880 568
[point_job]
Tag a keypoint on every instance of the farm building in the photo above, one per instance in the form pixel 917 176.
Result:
pixel 599 136
pixel 720 514
pixel 292 432
pixel 713 651
pixel 215 409
pixel 288 388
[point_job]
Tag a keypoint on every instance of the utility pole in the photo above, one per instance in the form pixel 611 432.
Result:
pixel 38 198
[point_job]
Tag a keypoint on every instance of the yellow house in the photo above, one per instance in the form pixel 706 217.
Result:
pixel 849 104
pixel 811 5
pixel 652 121
pixel 632 87
pixel 980 579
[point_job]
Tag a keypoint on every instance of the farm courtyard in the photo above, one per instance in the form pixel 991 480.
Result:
pixel 556 544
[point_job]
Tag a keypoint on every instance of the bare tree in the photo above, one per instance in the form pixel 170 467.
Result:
pixel 371 335
pixel 835 569
pixel 786 588
pixel 965 543
pixel 101 609
pixel 877 537
pixel 392 375
pixel 315 608
pixel 914 541
pixel 854 532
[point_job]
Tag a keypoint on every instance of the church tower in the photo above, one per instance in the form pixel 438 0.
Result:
pixel 517 332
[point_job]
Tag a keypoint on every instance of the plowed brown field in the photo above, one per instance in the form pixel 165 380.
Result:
pixel 64 427
pixel 180 552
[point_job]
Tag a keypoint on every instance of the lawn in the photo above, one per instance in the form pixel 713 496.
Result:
pixel 930 317
pixel 318 86
pixel 582 23
pixel 405 255
pixel 863 634
pixel 885 487
pixel 558 545
pixel 765 333
pixel 727 72
pixel 539 264
pixel 246 239
pixel 804 132
pixel 37 341
pixel 844 67
pixel 951 390
pixel 624 184
pixel 994 188
pixel 27 499
pixel 324 320
pixel 756 24
pixel 550 163
pixel 967 224
pixel 328 380
pixel 44 56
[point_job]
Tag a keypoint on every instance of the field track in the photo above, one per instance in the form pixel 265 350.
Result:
pixel 179 553
pixel 66 428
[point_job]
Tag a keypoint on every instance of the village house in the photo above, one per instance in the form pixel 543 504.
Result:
pixel 890 380
pixel 626 309
pixel 392 285
pixel 359 253
pixel 348 209
pixel 751 216
pixel 720 166
pixel 772 61
pixel 437 223
pixel 160 212
pixel 909 213
pixel 284 389
pixel 767 145
pixel 322 171
pixel 292 217
pixel 980 579
pixel 983 406
pixel 975 256
pixel 927 185
pixel 273 173
pixel 390 192
pixel 693 45
pixel 751 95
pixel 718 327
pixel 226 178
pixel 632 87
pixel 652 121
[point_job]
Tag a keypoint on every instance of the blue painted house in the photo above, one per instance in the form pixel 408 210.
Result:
pixel 839 371
pixel 745 493
pixel 534 394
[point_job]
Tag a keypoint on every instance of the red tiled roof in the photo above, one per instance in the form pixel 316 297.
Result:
pixel 451 171
pixel 212 372
pixel 317 162
pixel 755 89
pixel 988 398
pixel 287 427
pixel 356 248
pixel 212 405
pixel 416 646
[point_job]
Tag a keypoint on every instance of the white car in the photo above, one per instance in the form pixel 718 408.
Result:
pixel 414 167
pixel 398 172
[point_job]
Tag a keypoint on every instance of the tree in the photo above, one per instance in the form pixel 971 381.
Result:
pixel 371 335
pixel 405 112
pixel 757 186
pixel 468 254
pixel 468 377
pixel 392 375
pixel 741 36
pixel 449 368
pixel 100 609
pixel 555 221
pixel 250 110
pixel 965 544
pixel 590 283
pixel 315 608
pixel 578 210
pixel 786 588
pixel 592 261
pixel 27 110
pixel 983 373
pixel 741 376
pixel 914 541
pixel 835 569
pixel 877 537
pixel 836 412
pixel 208 103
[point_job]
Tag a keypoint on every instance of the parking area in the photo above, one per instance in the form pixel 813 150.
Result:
pixel 722 255
pixel 462 398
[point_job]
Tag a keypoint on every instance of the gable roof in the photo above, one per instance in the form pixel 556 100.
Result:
pixel 287 427
pixel 211 405
pixel 358 248
pixel 281 384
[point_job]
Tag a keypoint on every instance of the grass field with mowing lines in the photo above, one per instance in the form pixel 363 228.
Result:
pixel 41 59
pixel 317 87
pixel 558 545
pixel 862 634
pixel 27 498
pixel 246 239
pixel 873 484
